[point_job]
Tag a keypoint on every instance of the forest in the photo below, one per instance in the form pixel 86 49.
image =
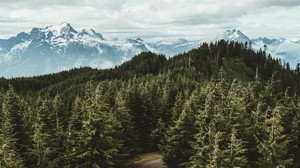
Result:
pixel 222 104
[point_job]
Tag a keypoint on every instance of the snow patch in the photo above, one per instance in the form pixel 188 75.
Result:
pixel 20 47
pixel 5 58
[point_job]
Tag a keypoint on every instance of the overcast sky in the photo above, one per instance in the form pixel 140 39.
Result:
pixel 150 19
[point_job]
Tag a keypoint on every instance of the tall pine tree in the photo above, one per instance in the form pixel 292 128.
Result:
pixel 99 146
pixel 12 133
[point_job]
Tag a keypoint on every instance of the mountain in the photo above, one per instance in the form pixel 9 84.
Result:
pixel 287 51
pixel 233 35
pixel 61 47
pixel 172 48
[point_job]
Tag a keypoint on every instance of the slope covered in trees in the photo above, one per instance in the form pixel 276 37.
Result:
pixel 220 105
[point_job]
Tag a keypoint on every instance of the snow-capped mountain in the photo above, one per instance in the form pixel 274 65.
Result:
pixel 286 50
pixel 61 47
pixel 233 35
pixel 172 48
pixel 55 48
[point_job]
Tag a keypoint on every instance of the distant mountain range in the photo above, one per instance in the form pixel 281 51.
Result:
pixel 288 51
pixel 61 47
pixel 56 48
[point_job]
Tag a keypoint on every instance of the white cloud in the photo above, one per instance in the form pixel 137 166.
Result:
pixel 153 18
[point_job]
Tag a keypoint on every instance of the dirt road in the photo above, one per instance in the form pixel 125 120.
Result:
pixel 157 163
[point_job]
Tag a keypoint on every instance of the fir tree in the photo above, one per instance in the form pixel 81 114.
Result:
pixel 235 151
pixel 177 149
pixel 273 147
pixel 99 146
pixel 9 154
pixel 124 116
pixel 14 139
pixel 215 153
pixel 41 149
pixel 59 136
pixel 74 129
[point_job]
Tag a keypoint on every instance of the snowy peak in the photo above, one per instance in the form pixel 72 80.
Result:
pixel 267 41
pixel 23 36
pixel 139 39
pixel 233 35
pixel 61 47
pixel 64 29
pixel 63 34
pixel 57 35
pixel 90 33
pixel 281 48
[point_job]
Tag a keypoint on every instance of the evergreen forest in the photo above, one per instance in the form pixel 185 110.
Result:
pixel 221 105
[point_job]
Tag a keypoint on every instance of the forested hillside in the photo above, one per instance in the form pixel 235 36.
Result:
pixel 220 105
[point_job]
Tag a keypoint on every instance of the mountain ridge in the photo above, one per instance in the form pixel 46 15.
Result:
pixel 281 48
pixel 61 47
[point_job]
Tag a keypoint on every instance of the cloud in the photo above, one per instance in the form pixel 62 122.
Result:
pixel 168 18
pixel 281 3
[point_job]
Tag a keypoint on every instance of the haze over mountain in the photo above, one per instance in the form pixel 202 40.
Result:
pixel 286 50
pixel 61 47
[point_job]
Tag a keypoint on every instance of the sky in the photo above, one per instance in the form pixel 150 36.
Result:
pixel 156 19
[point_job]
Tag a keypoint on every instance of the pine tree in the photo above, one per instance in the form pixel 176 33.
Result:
pixel 137 108
pixel 123 115
pixel 168 101
pixel 235 151
pixel 41 149
pixel 215 153
pixel 13 135
pixel 203 145
pixel 178 105
pixel 208 152
pixel 273 147
pixel 99 146
pixel 60 111
pixel 9 154
pixel 177 149
pixel 59 136
pixel 223 109
pixel 74 129
pixel 294 147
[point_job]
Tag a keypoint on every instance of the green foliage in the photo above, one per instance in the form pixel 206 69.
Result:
pixel 41 148
pixel 177 148
pixel 273 147
pixel 209 107
pixel 235 151
pixel 11 144
pixel 99 146
pixel 123 115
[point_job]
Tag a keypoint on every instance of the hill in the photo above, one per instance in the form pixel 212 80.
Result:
pixel 220 104
pixel 238 61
